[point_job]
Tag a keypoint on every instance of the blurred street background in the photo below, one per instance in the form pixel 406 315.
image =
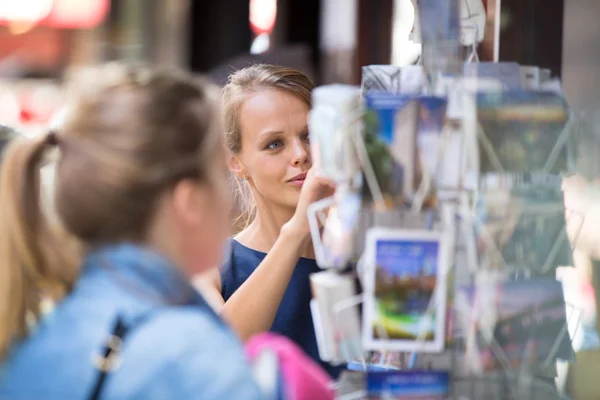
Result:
pixel 43 41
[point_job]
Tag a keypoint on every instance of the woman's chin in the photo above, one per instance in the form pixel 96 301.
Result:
pixel 291 201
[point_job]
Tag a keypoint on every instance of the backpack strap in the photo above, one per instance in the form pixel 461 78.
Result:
pixel 110 357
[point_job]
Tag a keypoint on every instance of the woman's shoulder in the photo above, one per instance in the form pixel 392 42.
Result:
pixel 164 348
pixel 179 330
pixel 188 352
pixel 240 255
pixel 240 261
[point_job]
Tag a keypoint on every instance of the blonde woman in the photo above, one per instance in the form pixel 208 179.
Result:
pixel 140 190
pixel 264 285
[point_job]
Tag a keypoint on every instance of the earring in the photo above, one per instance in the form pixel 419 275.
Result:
pixel 246 177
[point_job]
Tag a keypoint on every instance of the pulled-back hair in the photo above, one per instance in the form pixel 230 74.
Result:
pixel 128 137
pixel 241 84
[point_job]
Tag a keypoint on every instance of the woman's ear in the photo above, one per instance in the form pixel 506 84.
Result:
pixel 189 202
pixel 235 166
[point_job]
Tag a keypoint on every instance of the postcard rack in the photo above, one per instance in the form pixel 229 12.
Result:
pixel 477 218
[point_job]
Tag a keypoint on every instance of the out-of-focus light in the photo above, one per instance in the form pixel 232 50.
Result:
pixel 260 44
pixel 78 13
pixel 25 10
pixel 20 27
pixel 24 15
pixel 21 15
pixel 263 14
pixel 44 101
pixel 10 109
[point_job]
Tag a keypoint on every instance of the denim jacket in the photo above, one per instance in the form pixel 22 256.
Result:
pixel 176 348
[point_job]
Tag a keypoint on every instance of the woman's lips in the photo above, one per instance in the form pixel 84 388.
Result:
pixel 297 182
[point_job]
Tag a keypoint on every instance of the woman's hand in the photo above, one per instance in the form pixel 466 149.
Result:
pixel 252 308
pixel 315 188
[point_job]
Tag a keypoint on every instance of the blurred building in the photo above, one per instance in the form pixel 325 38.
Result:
pixel 42 40
pixel 39 39
pixel 329 40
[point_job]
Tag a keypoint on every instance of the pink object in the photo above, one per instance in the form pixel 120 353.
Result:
pixel 303 378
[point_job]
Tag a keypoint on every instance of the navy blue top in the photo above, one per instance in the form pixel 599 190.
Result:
pixel 293 319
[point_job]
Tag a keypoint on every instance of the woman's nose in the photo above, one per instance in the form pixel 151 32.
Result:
pixel 301 153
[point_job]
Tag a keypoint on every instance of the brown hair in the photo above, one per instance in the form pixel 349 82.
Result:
pixel 242 83
pixel 121 146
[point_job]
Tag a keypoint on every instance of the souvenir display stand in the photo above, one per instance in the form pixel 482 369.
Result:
pixel 441 243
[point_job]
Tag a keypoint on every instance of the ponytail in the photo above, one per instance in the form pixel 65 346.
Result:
pixel 35 262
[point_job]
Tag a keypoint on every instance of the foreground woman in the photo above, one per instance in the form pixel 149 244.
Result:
pixel 139 187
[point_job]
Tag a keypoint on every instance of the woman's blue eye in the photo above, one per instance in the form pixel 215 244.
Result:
pixel 274 145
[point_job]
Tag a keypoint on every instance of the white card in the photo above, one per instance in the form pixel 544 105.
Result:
pixel 412 79
pixel 337 326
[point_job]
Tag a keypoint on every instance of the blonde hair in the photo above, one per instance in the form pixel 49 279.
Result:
pixel 121 146
pixel 242 83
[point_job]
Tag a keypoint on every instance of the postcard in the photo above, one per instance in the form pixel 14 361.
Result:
pixel 381 78
pixel 408 385
pixel 403 138
pixel 412 79
pixel 531 328
pixel 440 155
pixel 391 123
pixel 392 79
pixel 439 23
pixel 522 132
pixel 520 223
pixel 507 73
pixel 405 290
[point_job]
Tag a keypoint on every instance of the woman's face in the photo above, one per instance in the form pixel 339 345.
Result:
pixel 201 220
pixel 275 155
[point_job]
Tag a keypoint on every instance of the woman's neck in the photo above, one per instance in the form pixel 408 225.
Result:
pixel 262 233
pixel 264 230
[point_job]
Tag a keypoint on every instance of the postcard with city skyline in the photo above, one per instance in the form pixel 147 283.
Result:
pixel 404 295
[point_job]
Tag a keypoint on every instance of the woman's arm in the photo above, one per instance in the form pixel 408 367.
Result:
pixel 252 308
pixel 209 285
